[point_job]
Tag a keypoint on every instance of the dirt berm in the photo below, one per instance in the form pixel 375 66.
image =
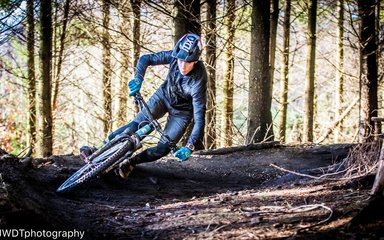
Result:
pixel 224 194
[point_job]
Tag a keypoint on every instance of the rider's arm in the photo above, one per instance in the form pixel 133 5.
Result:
pixel 146 60
pixel 199 102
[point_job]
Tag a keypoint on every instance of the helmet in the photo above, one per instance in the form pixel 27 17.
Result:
pixel 188 48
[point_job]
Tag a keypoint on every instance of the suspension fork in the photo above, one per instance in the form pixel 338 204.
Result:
pixel 138 99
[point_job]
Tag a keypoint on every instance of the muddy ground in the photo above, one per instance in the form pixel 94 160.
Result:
pixel 237 195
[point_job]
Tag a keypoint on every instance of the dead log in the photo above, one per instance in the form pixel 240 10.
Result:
pixel 378 185
pixel 248 147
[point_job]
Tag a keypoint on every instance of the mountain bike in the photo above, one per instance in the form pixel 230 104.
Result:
pixel 117 150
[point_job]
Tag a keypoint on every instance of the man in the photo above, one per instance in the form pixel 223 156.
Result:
pixel 182 95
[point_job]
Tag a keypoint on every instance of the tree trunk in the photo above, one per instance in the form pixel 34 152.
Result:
pixel 45 140
pixel 107 72
pixel 378 18
pixel 380 51
pixel 125 24
pixel 310 78
pixel 31 76
pixel 285 70
pixel 228 81
pixel 136 5
pixel 368 67
pixel 210 53
pixel 187 19
pixel 260 126
pixel 378 185
pixel 339 100
pixel 60 57
pixel 273 30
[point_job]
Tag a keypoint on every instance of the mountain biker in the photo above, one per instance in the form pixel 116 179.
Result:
pixel 182 95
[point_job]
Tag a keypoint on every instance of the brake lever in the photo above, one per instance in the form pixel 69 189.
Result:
pixel 136 100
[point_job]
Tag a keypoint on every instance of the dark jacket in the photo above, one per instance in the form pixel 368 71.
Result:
pixel 184 93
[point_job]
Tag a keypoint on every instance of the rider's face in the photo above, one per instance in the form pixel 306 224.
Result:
pixel 185 67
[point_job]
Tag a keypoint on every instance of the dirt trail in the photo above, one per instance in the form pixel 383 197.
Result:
pixel 229 196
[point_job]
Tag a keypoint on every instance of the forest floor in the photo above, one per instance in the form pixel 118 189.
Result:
pixel 237 195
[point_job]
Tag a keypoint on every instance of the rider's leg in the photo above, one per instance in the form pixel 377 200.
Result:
pixel 175 128
pixel 151 154
pixel 157 109
pixel 148 155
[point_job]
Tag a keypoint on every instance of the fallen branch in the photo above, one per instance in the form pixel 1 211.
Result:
pixel 298 209
pixel 302 174
pixel 321 222
pixel 336 123
pixel 325 176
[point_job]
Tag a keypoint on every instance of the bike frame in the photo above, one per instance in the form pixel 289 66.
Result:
pixel 117 150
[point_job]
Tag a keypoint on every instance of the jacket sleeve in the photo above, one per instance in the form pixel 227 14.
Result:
pixel 199 108
pixel 146 60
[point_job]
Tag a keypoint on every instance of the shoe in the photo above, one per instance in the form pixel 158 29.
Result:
pixel 125 169
pixel 86 151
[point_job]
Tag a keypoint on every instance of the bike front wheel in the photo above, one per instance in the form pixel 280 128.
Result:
pixel 97 166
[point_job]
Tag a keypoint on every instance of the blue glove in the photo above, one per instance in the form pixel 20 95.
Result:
pixel 183 153
pixel 134 86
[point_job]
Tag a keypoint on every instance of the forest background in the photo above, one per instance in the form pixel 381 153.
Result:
pixel 95 46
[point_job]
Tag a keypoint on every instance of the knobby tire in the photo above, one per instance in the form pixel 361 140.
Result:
pixel 97 166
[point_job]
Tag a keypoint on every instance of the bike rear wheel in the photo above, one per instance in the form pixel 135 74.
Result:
pixel 98 165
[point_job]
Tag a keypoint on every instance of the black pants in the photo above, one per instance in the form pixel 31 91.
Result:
pixel 177 122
